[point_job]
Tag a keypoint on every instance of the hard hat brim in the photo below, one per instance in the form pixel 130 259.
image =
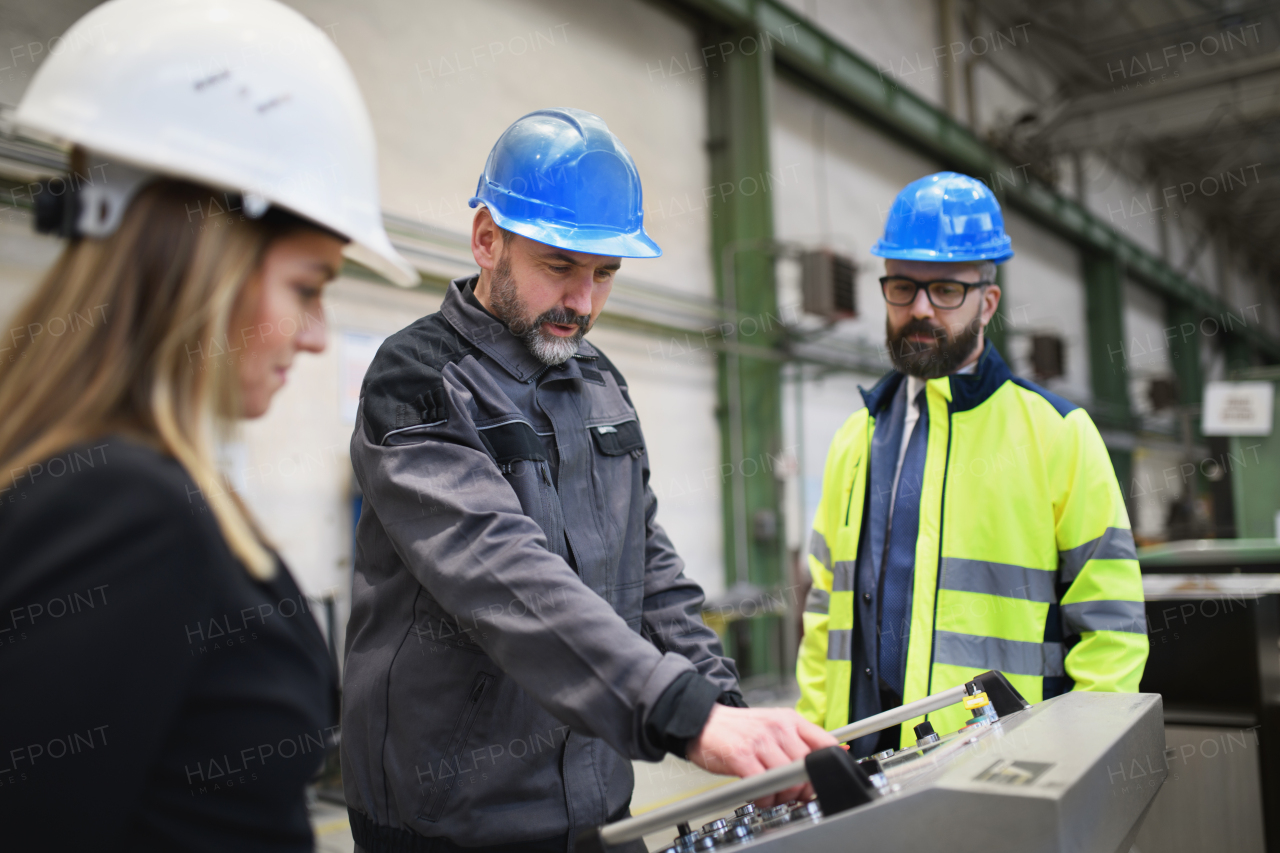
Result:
pixel 593 241
pixel 933 256
pixel 385 261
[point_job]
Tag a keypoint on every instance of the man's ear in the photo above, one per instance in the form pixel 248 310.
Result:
pixel 990 302
pixel 486 240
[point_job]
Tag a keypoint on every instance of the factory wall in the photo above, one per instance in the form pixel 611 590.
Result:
pixel 441 83
pixel 841 177
pixel 1044 293
pixel 838 177
pixel 897 38
pixel 443 80
pixel 1156 485
pixel 1123 204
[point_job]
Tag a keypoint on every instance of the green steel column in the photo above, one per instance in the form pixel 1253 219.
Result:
pixel 1184 357
pixel 750 412
pixel 1108 370
pixel 1239 353
pixel 1184 352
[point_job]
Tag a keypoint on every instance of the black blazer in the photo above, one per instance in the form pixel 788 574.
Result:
pixel 153 695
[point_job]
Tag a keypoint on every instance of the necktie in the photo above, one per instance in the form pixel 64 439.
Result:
pixel 900 559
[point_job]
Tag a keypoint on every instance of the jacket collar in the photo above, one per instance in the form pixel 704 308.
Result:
pixel 492 337
pixel 967 390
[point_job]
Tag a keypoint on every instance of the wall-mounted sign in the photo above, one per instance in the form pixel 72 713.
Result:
pixel 1238 408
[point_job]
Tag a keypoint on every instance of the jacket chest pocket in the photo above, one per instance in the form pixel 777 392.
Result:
pixel 519 454
pixel 622 439
pixel 619 492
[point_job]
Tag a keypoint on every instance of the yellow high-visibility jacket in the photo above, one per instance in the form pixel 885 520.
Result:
pixel 1025 562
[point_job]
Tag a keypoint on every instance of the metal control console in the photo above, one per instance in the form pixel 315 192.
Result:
pixel 1074 774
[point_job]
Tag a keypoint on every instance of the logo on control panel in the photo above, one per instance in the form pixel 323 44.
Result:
pixel 1004 772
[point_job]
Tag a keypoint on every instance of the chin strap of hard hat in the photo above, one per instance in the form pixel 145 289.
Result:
pixel 90 204
pixel 93 204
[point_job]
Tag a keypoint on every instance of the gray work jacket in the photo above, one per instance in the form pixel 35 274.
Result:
pixel 516 608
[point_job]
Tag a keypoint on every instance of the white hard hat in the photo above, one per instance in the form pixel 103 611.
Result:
pixel 243 95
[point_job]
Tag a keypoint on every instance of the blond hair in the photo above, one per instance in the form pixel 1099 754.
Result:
pixel 160 295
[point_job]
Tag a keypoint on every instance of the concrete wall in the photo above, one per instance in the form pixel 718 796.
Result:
pixel 1044 292
pixel 1128 207
pixel 841 178
pixel 442 81
pixel 897 38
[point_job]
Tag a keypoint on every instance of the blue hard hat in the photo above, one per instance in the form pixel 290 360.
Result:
pixel 562 178
pixel 945 217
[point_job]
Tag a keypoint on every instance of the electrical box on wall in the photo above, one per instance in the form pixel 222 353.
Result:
pixel 1162 393
pixel 828 284
pixel 1047 357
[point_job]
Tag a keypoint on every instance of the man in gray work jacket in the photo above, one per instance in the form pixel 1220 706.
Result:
pixel 521 625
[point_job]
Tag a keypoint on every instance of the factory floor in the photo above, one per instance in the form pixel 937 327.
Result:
pixel 656 785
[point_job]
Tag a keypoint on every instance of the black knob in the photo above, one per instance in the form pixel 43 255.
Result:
pixel 925 734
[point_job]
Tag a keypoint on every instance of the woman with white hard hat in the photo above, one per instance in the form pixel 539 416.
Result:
pixel 164 684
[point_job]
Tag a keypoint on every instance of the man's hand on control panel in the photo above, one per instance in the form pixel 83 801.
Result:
pixel 747 741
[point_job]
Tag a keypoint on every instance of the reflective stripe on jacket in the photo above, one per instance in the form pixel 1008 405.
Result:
pixel 1025 562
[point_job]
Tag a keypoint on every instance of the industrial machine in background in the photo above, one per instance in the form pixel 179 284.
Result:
pixel 1246 410
pixel 1074 774
pixel 1213 619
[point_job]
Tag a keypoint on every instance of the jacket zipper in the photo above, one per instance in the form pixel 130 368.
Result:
pixel 440 795
pixel 866 454
pixel 937 577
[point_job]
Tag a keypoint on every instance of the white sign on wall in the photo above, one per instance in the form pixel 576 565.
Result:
pixel 357 350
pixel 1238 408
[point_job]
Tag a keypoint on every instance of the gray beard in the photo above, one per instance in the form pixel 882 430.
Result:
pixel 504 299
pixel 932 360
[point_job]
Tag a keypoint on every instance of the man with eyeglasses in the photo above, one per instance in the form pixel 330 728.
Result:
pixel 970 520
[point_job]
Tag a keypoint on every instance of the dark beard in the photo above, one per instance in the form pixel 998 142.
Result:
pixel 504 299
pixel 937 358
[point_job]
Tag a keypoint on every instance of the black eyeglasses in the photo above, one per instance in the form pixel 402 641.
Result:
pixel 942 292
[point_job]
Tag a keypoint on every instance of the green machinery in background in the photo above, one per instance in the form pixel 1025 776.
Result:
pixel 1254 465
